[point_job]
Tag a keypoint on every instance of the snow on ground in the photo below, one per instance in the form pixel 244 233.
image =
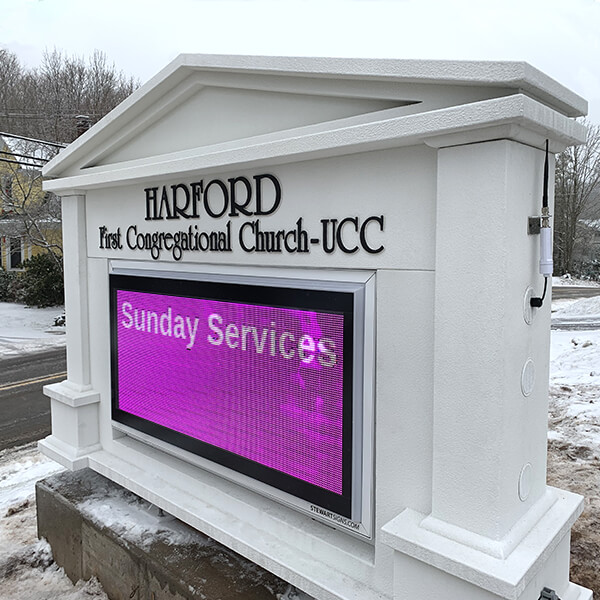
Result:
pixel 26 567
pixel 27 570
pixel 574 409
pixel 567 280
pixel 24 329
pixel 572 310
pixel 137 521
pixel 585 307
pixel 19 470
pixel 574 429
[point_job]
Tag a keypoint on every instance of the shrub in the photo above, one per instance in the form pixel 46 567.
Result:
pixel 9 286
pixel 5 277
pixel 42 282
pixel 589 269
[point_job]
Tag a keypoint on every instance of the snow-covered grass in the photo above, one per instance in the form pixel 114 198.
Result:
pixel 26 567
pixel 574 429
pixel 574 410
pixel 24 329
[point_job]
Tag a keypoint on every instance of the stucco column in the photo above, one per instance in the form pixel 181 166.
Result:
pixel 75 430
pixel 489 465
pixel 76 288
pixel 493 522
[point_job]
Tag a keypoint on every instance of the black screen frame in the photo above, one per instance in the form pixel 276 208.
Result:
pixel 320 300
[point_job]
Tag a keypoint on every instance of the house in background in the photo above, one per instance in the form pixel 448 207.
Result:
pixel 29 217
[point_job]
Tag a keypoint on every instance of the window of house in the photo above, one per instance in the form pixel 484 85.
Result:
pixel 16 253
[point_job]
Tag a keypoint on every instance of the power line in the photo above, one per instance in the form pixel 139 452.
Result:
pixel 40 114
pixel 21 164
pixel 26 139
pixel 26 156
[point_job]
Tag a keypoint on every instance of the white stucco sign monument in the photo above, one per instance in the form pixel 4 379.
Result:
pixel 298 298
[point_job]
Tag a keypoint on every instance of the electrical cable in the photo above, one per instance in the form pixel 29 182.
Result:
pixel 538 302
pixel 545 188
pixel 27 139
pixel 545 238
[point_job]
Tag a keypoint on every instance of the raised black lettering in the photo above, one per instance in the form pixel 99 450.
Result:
pixel 326 246
pixel 233 198
pixel 340 240
pixel 259 194
pixel 181 211
pixel 218 183
pixel 151 198
pixel 165 203
pixel 363 234
pixel 197 191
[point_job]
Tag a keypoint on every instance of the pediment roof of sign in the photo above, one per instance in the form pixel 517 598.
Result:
pixel 206 104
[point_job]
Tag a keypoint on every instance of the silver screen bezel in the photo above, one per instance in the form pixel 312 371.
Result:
pixel 362 285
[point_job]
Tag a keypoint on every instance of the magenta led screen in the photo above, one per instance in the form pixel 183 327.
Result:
pixel 255 378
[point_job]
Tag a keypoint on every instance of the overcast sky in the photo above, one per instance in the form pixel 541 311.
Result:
pixel 559 37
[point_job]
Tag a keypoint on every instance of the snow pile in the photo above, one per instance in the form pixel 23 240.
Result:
pixel 567 280
pixel 575 357
pixel 24 329
pixel 135 520
pixel 27 569
pixel 586 307
pixel 19 470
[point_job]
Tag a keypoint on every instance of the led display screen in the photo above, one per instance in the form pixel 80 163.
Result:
pixel 256 378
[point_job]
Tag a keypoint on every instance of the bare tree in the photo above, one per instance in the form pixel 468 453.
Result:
pixel 577 190
pixel 11 75
pixel 26 210
pixel 47 104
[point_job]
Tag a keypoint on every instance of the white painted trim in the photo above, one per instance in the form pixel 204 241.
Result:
pixel 374 135
pixel 66 455
pixel 518 76
pixel 226 272
pixel 176 96
pixel 359 283
pixel 508 577
pixel 62 392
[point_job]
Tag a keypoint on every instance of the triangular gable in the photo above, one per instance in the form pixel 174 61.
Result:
pixel 201 102
pixel 219 114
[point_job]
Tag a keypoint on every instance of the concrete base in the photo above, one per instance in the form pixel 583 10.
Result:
pixel 97 528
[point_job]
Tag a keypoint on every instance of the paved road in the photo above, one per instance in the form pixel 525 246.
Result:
pixel 573 291
pixel 24 410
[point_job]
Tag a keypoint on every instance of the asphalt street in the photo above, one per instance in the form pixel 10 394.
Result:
pixel 24 410
pixel 559 293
